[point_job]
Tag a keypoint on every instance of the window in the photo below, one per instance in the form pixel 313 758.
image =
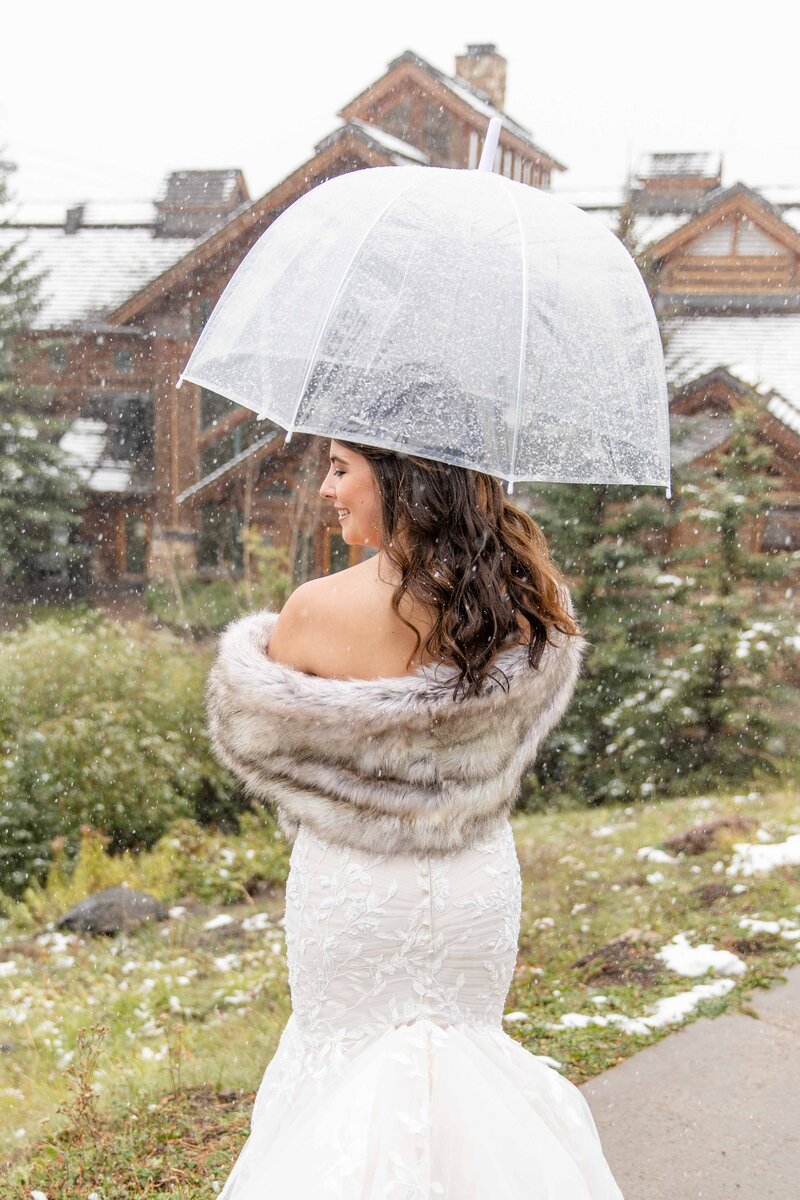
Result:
pixel 123 359
pixel 437 130
pixel 130 432
pixel 214 407
pixel 204 311
pixel 303 565
pixel 397 120
pixel 57 357
pixel 338 552
pixel 227 447
pixel 219 544
pixel 472 159
pixel 135 542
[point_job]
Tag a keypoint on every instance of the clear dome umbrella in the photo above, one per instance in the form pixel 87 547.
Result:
pixel 452 314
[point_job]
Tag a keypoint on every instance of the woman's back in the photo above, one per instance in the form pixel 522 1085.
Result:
pixel 353 631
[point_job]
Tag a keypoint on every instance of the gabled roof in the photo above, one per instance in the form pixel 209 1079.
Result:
pixel 90 272
pixel 761 352
pixel 401 152
pixel 701 419
pixel 470 101
pixel 651 228
pixel 694 434
pixel 95 255
pixel 719 205
pixel 346 145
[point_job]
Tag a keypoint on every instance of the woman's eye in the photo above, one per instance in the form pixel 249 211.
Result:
pixel 338 472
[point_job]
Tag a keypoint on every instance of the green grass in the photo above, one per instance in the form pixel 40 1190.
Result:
pixel 185 1018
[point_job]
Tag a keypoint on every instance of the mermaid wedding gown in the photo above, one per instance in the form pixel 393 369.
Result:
pixel 394 1078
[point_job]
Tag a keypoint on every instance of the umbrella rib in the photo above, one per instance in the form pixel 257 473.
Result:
pixel 523 337
pixel 326 322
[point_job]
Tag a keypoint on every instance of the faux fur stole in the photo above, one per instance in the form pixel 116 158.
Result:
pixel 390 766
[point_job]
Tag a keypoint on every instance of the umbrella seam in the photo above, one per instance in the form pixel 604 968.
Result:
pixel 523 332
pixel 346 274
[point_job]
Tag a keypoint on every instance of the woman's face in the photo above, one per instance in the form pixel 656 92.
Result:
pixel 350 485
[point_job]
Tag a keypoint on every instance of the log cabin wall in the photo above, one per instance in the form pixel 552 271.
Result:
pixel 730 247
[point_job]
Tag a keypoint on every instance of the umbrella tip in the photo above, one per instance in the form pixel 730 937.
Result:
pixel 178 384
pixel 288 438
pixel 490 145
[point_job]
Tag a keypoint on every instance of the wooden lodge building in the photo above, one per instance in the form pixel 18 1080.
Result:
pixel 172 474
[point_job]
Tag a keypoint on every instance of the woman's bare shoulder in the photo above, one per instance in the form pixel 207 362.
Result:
pixel 328 626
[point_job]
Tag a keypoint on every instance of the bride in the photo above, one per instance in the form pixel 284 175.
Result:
pixel 388 715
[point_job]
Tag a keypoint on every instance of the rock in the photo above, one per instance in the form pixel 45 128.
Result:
pixel 622 960
pixel 111 910
pixel 707 893
pixel 703 837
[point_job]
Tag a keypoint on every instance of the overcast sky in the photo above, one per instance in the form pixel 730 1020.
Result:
pixel 101 101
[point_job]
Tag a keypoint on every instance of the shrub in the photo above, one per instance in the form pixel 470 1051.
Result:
pixel 101 725
pixel 188 861
pixel 203 606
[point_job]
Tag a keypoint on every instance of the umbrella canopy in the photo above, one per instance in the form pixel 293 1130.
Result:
pixel 456 315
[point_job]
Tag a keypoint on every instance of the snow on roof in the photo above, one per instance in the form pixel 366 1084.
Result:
pixel 647 228
pixel 472 96
pixel 651 228
pixel 91 272
pixel 393 144
pixel 201 187
pixel 761 351
pixel 703 164
pixel 694 434
pixel 788 413
pixel 102 213
pixel 85 444
pixel 604 204
pixel 792 216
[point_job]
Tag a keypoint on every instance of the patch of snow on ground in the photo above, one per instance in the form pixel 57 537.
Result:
pixel 750 857
pixel 685 959
pixel 651 854
pixel 259 920
pixel 667 1011
pixel 548 1061
pixel 219 921
pixel 783 926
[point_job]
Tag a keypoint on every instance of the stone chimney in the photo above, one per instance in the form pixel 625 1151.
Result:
pixel 192 202
pixel 74 218
pixel 485 69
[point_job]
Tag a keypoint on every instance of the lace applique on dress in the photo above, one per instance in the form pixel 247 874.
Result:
pixel 394 1078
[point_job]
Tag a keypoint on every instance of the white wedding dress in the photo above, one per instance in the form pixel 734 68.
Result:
pixel 394 1078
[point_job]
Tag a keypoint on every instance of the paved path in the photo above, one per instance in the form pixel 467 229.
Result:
pixel 711 1112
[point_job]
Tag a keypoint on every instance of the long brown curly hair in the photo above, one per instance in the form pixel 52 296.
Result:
pixel 465 552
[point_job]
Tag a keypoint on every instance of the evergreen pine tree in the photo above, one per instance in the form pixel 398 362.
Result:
pixel 726 714
pixel 606 540
pixel 40 492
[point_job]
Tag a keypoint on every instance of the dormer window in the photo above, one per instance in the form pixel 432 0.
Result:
pixel 123 359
